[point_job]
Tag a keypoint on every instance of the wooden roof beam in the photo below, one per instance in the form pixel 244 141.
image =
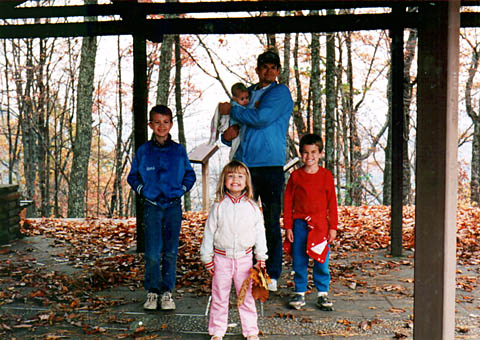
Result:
pixel 252 25
pixel 119 8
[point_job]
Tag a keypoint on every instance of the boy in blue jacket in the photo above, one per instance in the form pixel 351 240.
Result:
pixel 161 174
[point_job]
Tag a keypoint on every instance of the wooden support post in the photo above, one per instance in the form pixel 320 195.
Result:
pixel 201 154
pixel 436 200
pixel 397 126
pixel 205 186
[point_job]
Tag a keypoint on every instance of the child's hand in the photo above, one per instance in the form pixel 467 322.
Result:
pixel 210 268
pixel 260 264
pixel 289 235
pixel 332 234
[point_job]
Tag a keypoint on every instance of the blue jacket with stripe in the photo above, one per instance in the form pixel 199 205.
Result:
pixel 161 173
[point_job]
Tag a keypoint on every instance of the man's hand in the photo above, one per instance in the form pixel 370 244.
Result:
pixel 231 133
pixel 224 108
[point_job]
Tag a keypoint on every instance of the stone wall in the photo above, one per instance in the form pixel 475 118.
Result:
pixel 9 213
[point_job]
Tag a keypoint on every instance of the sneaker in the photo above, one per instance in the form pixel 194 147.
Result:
pixel 253 337
pixel 152 301
pixel 216 337
pixel 324 303
pixel 297 301
pixel 272 286
pixel 167 302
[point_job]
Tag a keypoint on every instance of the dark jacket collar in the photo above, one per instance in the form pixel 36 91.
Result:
pixel 164 144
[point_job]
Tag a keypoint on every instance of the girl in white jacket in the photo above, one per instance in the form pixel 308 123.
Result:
pixel 233 231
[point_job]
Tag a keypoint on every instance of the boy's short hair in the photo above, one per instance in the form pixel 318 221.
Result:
pixel 161 109
pixel 269 57
pixel 311 139
pixel 238 87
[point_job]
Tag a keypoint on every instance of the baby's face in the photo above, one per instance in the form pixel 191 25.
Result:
pixel 242 98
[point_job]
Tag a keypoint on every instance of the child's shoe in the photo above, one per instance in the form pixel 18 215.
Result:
pixel 253 337
pixel 297 301
pixel 216 337
pixel 324 303
pixel 167 302
pixel 152 301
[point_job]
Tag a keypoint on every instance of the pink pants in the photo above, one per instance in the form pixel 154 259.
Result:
pixel 226 269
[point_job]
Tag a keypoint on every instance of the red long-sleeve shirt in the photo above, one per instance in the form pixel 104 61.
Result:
pixel 311 195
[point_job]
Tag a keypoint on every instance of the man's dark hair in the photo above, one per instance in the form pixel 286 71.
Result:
pixel 311 139
pixel 162 109
pixel 268 57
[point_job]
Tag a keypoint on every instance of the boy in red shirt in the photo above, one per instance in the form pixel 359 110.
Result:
pixel 310 218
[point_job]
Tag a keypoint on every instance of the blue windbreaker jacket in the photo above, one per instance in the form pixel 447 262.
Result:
pixel 265 139
pixel 161 173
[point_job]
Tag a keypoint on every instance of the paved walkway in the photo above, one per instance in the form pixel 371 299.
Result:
pixel 372 295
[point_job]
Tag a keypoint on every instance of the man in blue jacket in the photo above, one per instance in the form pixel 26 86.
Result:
pixel 263 148
pixel 161 174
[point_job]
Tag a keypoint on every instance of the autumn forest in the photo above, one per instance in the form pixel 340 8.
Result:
pixel 66 111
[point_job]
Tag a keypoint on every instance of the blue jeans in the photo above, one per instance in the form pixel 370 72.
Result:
pixel 268 183
pixel 162 231
pixel 321 274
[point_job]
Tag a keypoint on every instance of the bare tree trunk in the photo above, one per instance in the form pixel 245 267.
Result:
pixel 387 172
pixel 330 101
pixel 83 136
pixel 13 132
pixel 43 135
pixel 475 171
pixel 407 100
pixel 272 40
pixel 164 68
pixel 29 139
pixel 339 127
pixel 117 194
pixel 475 117
pixel 354 141
pixel 297 109
pixel 63 134
pixel 285 73
pixel 316 85
pixel 179 109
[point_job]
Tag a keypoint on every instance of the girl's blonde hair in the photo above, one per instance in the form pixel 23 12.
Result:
pixel 234 167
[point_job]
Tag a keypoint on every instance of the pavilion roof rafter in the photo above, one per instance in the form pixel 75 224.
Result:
pixel 123 18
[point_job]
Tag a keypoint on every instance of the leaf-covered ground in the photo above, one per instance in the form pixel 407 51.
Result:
pixel 102 245
pixel 102 251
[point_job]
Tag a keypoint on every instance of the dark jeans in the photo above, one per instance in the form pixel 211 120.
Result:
pixel 162 231
pixel 268 183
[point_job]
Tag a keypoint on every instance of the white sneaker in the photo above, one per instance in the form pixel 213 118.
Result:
pixel 167 302
pixel 272 286
pixel 152 301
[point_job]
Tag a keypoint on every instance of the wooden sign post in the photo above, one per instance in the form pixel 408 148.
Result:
pixel 201 154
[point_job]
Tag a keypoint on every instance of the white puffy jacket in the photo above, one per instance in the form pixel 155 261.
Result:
pixel 233 227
